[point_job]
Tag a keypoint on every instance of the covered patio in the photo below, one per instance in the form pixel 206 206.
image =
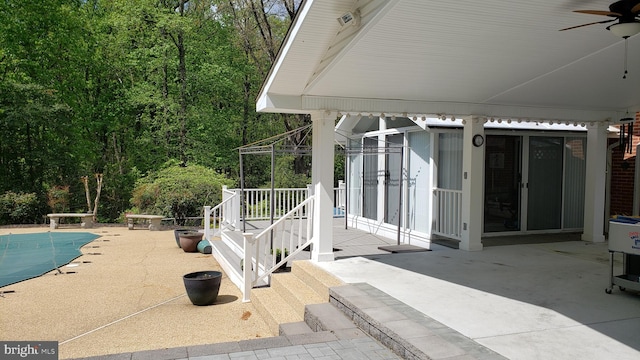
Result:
pixel 478 63
pixel 541 300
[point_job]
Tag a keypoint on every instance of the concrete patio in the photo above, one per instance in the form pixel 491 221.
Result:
pixel 532 297
pixel 542 299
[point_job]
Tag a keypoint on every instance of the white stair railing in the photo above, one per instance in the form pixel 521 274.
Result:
pixel 448 210
pixel 257 202
pixel 290 235
pixel 340 195
pixel 224 215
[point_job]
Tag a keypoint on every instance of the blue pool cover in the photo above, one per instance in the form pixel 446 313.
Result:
pixel 25 256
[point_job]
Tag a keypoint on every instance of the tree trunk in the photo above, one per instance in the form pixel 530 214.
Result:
pixel 182 76
pixel 85 181
pixel 98 191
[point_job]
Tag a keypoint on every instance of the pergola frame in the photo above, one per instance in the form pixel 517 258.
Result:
pixel 268 146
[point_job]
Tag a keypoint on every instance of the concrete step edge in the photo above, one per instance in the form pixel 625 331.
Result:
pixel 273 308
pixel 294 328
pixel 327 317
pixel 315 277
pixel 295 292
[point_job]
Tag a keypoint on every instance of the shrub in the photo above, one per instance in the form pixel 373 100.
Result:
pixel 285 175
pixel 179 191
pixel 58 198
pixel 20 208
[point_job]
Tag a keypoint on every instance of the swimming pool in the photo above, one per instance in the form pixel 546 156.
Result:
pixel 25 256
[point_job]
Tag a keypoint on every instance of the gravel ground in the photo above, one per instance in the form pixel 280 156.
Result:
pixel 125 293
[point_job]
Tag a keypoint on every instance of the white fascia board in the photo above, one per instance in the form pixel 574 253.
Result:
pixel 274 103
pixel 284 50
pixel 354 105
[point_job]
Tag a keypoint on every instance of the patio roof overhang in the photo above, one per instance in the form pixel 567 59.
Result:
pixel 426 58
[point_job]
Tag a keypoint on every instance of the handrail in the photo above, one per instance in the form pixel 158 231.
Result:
pixel 256 267
pixel 257 202
pixel 224 214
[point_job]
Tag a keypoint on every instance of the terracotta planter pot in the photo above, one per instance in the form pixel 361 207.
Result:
pixel 177 233
pixel 189 241
pixel 202 286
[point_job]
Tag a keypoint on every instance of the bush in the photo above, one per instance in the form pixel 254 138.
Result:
pixel 58 198
pixel 20 208
pixel 179 191
pixel 285 175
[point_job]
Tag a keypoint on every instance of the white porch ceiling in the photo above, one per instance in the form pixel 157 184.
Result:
pixel 494 58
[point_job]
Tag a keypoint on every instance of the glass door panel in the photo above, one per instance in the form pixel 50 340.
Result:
pixel 392 178
pixel 502 183
pixel 370 179
pixel 544 186
pixel 418 204
pixel 355 177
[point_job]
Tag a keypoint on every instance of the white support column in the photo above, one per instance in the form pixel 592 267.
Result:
pixel 322 182
pixel 594 192
pixel 382 169
pixel 472 185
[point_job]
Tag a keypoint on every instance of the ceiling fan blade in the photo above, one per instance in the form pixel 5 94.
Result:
pixel 636 9
pixel 593 23
pixel 598 12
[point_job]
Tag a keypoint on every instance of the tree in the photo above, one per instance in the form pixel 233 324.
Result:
pixel 261 27
pixel 118 88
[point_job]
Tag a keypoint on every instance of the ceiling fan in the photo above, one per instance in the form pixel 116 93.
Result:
pixel 625 12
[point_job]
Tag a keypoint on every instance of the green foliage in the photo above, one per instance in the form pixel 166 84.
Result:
pixel 58 199
pixel 179 191
pixel 285 176
pixel 119 88
pixel 20 208
pixel 116 193
pixel 339 166
pixel 279 252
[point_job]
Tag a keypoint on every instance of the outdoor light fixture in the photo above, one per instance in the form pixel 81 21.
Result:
pixel 625 29
pixel 350 18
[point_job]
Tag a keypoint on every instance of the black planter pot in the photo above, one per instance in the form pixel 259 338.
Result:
pixel 176 233
pixel 202 286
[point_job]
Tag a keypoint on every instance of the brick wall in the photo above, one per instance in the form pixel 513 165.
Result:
pixel 622 174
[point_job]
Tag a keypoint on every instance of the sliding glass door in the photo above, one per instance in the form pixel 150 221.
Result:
pixel 370 179
pixel 503 180
pixel 544 186
pixel 533 183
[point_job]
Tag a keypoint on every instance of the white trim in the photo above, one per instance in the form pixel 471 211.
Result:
pixel 389 231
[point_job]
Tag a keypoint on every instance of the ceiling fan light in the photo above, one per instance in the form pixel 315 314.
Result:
pixel 625 30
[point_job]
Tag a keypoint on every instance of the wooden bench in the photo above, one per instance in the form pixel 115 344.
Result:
pixel 153 220
pixel 86 219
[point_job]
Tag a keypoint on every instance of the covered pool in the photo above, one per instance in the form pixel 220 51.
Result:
pixel 25 256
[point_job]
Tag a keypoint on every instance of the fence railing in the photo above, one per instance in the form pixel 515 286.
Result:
pixel 448 209
pixel 257 202
pixel 222 216
pixel 276 245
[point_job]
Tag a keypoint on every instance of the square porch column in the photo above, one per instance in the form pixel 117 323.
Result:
pixel 595 183
pixel 472 185
pixel 322 163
